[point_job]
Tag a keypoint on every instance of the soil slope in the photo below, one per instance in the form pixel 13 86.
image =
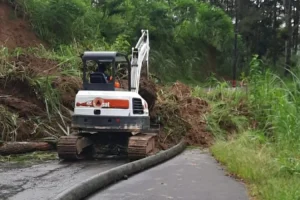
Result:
pixel 15 32
pixel 180 114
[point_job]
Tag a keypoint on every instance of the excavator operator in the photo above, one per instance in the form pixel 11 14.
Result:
pixel 102 68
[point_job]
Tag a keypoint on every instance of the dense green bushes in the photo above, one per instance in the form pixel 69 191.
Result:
pixel 189 39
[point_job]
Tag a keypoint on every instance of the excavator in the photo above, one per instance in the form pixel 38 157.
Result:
pixel 109 117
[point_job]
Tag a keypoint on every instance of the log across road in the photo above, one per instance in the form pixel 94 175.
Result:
pixel 192 175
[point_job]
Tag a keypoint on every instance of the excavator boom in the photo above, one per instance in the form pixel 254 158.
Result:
pixel 140 55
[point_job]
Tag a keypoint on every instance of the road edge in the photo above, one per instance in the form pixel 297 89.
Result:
pixel 99 181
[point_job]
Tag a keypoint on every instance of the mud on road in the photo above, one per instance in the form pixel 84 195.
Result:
pixel 46 180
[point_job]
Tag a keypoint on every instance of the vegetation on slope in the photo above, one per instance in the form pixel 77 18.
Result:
pixel 260 125
pixel 191 39
pixel 49 79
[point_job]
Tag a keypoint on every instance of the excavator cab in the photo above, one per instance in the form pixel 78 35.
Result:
pixel 109 61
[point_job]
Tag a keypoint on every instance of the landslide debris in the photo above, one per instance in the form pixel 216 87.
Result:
pixel 15 32
pixel 24 105
pixel 181 116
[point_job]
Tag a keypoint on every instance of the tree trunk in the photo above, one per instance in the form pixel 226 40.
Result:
pixel 23 147
pixel 227 6
pixel 235 45
pixel 296 26
pixel 212 58
pixel 274 33
pixel 288 43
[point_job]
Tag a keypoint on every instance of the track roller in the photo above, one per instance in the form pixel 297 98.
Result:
pixel 71 147
pixel 140 146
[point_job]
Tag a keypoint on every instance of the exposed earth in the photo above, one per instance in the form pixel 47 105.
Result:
pixel 15 32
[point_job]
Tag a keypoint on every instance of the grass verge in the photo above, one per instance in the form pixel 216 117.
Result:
pixel 262 148
pixel 29 157
pixel 255 163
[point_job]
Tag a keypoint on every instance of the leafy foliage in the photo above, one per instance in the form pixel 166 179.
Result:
pixel 187 37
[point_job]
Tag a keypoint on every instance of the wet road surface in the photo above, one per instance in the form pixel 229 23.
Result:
pixel 46 180
pixel 192 175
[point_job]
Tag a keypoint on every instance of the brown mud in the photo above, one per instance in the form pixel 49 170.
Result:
pixel 17 89
pixel 67 87
pixel 34 65
pixel 182 116
pixel 15 32
pixel 18 95
pixel 148 91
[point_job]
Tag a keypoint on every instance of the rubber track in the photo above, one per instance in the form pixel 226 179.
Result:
pixel 141 146
pixel 66 148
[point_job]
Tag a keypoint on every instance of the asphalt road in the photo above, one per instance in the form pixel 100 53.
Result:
pixel 192 175
pixel 46 180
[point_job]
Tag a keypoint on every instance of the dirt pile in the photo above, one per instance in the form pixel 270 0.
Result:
pixel 35 66
pixel 22 95
pixel 19 84
pixel 23 108
pixel 12 88
pixel 148 91
pixel 67 87
pixel 15 32
pixel 181 116
pixel 19 100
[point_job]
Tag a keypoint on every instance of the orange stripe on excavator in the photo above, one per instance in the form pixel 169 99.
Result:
pixel 117 103
pixel 113 103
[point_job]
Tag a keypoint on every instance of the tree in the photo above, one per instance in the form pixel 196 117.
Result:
pixel 288 43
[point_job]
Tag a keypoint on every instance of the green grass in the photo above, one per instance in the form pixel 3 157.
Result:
pixel 258 165
pixel 192 147
pixel 263 147
pixel 8 124
pixel 228 113
pixel 29 157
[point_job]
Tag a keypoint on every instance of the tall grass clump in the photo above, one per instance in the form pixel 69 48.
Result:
pixel 276 106
pixel 266 152
pixel 8 124
pixel 229 112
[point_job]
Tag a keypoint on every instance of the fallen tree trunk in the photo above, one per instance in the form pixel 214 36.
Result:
pixel 23 147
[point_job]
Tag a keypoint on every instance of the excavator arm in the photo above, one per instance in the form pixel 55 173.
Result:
pixel 140 55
